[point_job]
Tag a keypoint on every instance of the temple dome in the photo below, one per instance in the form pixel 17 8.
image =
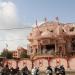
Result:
pixel 35 34
pixel 47 34
pixel 45 30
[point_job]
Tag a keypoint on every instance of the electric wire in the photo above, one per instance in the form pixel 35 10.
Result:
pixel 16 28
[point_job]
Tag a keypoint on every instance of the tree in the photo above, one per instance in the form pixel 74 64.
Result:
pixel 24 55
pixel 7 54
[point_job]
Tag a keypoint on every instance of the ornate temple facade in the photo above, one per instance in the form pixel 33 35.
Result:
pixel 52 38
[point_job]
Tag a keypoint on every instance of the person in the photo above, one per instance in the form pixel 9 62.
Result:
pixel 37 71
pixel 25 70
pixel 6 70
pixel 18 71
pixel 1 68
pixel 33 71
pixel 12 71
pixel 57 70
pixel 49 70
pixel 62 70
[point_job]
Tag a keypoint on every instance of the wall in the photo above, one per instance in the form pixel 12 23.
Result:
pixel 42 63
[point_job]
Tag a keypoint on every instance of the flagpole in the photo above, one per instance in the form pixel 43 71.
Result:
pixel 37 25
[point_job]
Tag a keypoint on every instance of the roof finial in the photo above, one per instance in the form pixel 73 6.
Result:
pixel 45 19
pixel 57 19
pixel 36 21
pixel 37 25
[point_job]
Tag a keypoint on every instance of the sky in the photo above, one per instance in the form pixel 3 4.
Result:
pixel 23 13
pixel 29 10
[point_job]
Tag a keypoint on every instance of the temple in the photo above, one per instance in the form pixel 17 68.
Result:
pixel 52 39
pixel 50 43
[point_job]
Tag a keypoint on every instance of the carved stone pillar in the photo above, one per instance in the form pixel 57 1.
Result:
pixel 56 49
pixel 69 48
pixel 62 50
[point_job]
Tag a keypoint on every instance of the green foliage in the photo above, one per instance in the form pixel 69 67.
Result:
pixel 7 54
pixel 24 55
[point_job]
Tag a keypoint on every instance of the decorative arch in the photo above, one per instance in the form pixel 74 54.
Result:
pixel 72 63
pixel 25 62
pixel 58 61
pixel 41 63
pixel 11 63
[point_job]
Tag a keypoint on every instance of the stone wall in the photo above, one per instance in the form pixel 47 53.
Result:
pixel 42 63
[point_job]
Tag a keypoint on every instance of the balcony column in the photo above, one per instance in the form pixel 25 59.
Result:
pixel 56 47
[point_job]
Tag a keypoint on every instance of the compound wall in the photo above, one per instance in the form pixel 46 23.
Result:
pixel 42 63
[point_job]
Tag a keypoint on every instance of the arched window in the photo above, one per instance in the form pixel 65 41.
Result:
pixel 73 44
pixel 72 29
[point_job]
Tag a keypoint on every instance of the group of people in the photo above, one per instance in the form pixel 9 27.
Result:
pixel 58 70
pixel 5 70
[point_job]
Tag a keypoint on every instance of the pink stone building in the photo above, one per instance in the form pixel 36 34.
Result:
pixel 17 53
pixel 52 38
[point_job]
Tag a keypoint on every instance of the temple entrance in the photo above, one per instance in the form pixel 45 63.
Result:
pixel 50 47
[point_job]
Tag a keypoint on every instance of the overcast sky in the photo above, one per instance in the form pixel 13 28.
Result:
pixel 22 13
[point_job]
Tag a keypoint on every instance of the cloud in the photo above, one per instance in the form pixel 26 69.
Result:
pixel 9 19
pixel 16 39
